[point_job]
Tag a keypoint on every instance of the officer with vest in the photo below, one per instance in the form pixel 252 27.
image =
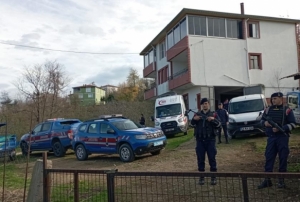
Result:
pixel 278 142
pixel 223 115
pixel 206 124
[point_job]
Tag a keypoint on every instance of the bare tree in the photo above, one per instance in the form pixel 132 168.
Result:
pixel 42 86
pixel 275 80
pixel 133 77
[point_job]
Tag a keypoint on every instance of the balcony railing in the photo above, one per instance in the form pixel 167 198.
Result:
pixel 177 74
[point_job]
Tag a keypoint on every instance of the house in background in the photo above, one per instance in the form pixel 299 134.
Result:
pixel 109 89
pixel 220 55
pixel 89 94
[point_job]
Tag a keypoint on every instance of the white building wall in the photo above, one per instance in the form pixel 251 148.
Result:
pixel 277 44
pixel 218 61
pixel 163 88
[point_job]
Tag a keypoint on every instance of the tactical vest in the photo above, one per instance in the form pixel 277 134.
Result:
pixel 207 129
pixel 278 114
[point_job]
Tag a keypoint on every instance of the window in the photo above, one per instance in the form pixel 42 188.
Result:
pixel 168 110
pixel 46 127
pixel 197 25
pixel 216 27
pixel 92 128
pixel 88 90
pixel 292 101
pixel 176 34
pixel 150 54
pixel 253 29
pixel 234 29
pixel 163 74
pixel 246 106
pixel 37 129
pixel 162 50
pixel 170 39
pixel 255 61
pixel 104 127
pixel 80 95
pixel 82 128
pixel 146 60
pixel 183 28
pixel 90 95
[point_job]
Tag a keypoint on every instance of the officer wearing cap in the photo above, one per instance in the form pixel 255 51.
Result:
pixel 206 123
pixel 223 115
pixel 278 142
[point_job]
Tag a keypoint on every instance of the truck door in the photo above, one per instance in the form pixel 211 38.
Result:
pixel 293 103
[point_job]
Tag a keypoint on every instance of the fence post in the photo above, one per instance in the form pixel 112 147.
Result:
pixel 110 178
pixel 46 179
pixel 245 189
pixel 76 187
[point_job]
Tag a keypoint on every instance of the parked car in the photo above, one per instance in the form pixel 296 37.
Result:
pixel 115 134
pixel 54 135
pixel 8 144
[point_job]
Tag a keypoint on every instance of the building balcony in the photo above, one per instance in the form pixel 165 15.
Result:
pixel 179 79
pixel 150 93
pixel 150 71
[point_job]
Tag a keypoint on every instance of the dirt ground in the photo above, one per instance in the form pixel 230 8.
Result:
pixel 241 155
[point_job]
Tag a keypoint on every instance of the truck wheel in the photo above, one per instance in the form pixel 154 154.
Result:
pixel 24 148
pixel 58 149
pixel 126 153
pixel 81 153
pixel 156 153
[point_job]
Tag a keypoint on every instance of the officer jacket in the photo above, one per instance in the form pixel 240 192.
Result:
pixel 223 115
pixel 204 129
pixel 281 115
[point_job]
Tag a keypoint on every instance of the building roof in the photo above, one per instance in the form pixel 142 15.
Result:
pixel 187 11
pixel 85 86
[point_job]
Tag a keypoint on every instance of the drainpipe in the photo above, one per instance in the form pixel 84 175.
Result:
pixel 247 52
pixel 154 66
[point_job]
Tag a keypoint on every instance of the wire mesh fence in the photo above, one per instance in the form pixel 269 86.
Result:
pixel 101 185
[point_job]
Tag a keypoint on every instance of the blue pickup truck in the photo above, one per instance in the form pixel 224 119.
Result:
pixel 8 144
pixel 54 135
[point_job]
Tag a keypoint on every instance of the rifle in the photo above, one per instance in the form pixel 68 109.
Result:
pixel 197 113
pixel 273 124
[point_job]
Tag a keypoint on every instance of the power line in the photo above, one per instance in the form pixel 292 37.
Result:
pixel 66 51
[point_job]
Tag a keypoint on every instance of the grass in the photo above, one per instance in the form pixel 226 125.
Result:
pixel 178 139
pixel 87 192
pixel 14 178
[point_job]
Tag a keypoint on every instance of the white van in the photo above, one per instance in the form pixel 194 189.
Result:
pixel 169 115
pixel 243 112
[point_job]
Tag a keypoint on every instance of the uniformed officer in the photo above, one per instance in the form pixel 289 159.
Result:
pixel 223 115
pixel 278 142
pixel 206 122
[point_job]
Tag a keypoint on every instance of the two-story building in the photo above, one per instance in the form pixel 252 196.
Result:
pixel 109 88
pixel 89 94
pixel 217 55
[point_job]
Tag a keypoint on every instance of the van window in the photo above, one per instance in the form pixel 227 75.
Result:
pixel 246 106
pixel 168 110
pixel 293 101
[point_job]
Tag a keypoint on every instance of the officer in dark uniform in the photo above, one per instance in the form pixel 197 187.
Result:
pixel 206 124
pixel 277 142
pixel 223 115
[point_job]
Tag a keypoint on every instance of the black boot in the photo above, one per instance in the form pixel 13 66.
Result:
pixel 281 183
pixel 266 183
pixel 201 181
pixel 213 181
pixel 226 140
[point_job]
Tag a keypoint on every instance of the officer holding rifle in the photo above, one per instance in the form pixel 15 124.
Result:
pixel 279 121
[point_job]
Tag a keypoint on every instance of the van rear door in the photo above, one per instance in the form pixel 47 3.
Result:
pixel 293 102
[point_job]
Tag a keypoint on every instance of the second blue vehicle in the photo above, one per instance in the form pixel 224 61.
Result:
pixel 115 134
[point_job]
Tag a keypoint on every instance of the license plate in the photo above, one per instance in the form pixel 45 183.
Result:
pixel 247 128
pixel 158 143
pixel 169 129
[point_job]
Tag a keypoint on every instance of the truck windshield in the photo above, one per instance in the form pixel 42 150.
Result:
pixel 168 110
pixel 246 106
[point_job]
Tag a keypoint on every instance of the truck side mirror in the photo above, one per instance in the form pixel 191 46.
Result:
pixel 152 118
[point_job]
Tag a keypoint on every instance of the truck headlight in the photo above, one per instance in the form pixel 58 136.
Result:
pixel 156 123
pixel 141 137
pixel 231 120
pixel 180 120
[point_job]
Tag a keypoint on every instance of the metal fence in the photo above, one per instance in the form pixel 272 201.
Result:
pixel 111 185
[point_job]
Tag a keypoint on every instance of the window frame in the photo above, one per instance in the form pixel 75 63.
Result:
pixel 92 95
pixel 258 28
pixel 259 60
pixel 88 89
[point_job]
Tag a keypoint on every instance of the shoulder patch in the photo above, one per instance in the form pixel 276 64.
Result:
pixel 287 111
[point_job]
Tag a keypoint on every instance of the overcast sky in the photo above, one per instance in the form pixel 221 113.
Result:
pixel 105 26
